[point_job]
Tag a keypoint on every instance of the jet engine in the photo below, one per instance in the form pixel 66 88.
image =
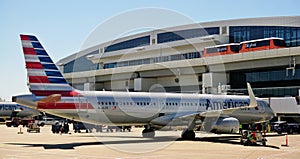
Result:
pixel 223 126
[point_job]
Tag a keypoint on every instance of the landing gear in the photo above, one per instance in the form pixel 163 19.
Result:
pixel 188 135
pixel 148 133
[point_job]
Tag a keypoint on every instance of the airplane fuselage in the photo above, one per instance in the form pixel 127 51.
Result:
pixel 7 108
pixel 132 108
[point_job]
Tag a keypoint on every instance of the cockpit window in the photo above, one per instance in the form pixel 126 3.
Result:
pixel 263 103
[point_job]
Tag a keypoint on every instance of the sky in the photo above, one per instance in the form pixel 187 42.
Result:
pixel 63 26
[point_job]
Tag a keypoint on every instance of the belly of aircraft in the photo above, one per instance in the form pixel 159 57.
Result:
pixel 103 117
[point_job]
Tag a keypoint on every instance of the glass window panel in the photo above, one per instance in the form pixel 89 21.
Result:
pixel 298 37
pixel 280 75
pixel 274 76
pixel 297 74
pixel 242 33
pixel 264 76
pixel 186 34
pixel 81 64
pixel 142 41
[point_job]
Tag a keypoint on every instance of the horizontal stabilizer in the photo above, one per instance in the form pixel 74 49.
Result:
pixel 51 99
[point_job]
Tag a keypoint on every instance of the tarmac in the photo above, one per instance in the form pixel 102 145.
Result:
pixel 130 145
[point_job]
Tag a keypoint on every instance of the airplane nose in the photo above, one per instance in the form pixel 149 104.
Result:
pixel 270 114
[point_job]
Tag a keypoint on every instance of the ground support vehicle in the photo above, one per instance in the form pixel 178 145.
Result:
pixel 15 122
pixel 251 138
pixel 58 127
pixel 33 127
pixel 285 127
pixel 78 126
pixel 46 121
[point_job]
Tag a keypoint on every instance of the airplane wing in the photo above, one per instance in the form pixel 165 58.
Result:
pixel 176 119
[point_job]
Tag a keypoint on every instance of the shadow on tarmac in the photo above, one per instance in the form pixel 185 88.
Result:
pixel 234 140
pixel 77 144
pixel 58 146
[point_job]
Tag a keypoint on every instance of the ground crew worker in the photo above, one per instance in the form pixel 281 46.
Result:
pixel 251 139
pixel 241 128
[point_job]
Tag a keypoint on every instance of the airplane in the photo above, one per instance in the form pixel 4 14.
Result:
pixel 52 94
pixel 10 109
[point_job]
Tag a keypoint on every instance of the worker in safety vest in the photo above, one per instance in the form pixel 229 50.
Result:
pixel 241 128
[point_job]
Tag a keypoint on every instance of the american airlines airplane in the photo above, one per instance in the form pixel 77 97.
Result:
pixel 214 113
pixel 7 109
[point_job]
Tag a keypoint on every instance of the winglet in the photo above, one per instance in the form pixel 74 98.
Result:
pixel 253 102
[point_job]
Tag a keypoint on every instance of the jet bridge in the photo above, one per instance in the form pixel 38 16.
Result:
pixel 285 107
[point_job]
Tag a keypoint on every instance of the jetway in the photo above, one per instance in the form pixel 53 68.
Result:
pixel 285 107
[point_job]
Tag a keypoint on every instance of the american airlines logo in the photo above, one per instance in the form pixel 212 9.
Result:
pixel 7 107
pixel 217 105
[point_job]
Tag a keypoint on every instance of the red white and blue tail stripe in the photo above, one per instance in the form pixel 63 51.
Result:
pixel 44 77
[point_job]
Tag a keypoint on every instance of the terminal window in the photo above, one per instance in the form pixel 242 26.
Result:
pixel 186 34
pixel 291 35
pixel 141 41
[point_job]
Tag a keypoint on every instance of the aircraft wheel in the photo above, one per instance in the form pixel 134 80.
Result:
pixel 148 133
pixel 241 141
pixel 264 143
pixel 188 135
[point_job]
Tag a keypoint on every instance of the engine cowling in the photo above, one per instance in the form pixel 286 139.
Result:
pixel 226 126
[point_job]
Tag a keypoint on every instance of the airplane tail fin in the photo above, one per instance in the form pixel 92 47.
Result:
pixel 44 77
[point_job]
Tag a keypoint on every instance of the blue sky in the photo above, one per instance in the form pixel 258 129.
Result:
pixel 63 26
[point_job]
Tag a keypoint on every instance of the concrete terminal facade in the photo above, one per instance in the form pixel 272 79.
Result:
pixel 170 60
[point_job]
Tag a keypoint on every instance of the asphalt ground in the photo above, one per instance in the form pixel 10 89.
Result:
pixel 127 145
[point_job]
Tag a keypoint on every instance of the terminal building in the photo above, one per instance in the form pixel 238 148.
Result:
pixel 171 60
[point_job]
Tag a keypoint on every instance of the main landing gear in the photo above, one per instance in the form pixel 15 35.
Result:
pixel 148 133
pixel 188 135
